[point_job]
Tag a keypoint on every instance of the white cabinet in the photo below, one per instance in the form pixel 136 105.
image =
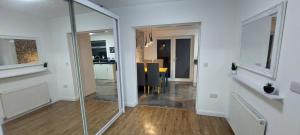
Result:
pixel 104 71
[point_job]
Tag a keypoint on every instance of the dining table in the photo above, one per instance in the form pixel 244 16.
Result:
pixel 163 75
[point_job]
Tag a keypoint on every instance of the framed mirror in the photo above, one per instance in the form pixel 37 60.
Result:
pixel 18 52
pixel 261 41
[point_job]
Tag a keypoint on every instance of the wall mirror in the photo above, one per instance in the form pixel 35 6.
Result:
pixel 82 92
pixel 261 41
pixel 16 51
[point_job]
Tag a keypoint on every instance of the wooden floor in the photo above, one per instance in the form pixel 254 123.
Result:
pixel 62 118
pixel 146 120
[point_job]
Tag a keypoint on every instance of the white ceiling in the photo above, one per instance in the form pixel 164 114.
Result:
pixel 41 8
pixel 57 8
pixel 125 3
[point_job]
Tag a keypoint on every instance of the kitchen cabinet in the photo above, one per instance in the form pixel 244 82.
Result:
pixel 105 71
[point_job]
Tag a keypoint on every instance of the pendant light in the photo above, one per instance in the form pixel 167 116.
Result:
pixel 150 36
pixel 146 38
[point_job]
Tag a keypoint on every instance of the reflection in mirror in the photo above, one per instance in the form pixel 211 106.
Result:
pixel 261 41
pixel 96 43
pixel 41 103
pixel 257 42
pixel 271 42
pixel 18 51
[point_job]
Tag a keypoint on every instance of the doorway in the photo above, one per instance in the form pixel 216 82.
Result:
pixel 178 54
pixel 172 48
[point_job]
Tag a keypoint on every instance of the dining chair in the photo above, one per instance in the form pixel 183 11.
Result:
pixel 153 76
pixel 141 75
pixel 147 61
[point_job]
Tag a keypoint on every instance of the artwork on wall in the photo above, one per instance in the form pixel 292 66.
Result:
pixel 18 51
pixel 26 51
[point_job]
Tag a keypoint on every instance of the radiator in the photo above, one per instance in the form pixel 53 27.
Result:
pixel 244 119
pixel 19 101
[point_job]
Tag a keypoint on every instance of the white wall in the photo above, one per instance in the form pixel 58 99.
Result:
pixel 283 118
pixel 218 41
pixel 19 24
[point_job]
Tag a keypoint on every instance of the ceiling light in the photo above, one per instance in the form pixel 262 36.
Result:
pixel 92 34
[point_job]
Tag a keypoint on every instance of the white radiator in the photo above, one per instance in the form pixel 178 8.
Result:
pixel 19 101
pixel 244 119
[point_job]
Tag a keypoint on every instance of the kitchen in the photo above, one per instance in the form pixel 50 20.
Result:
pixel 104 65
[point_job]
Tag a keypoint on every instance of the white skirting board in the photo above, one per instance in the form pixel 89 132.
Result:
pixel 19 101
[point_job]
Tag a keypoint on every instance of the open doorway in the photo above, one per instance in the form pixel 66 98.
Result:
pixel 99 75
pixel 98 65
pixel 166 57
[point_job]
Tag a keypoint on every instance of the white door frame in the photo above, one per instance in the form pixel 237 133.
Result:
pixel 173 56
pixel 119 74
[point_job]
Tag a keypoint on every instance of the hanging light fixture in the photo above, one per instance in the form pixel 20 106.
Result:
pixel 150 36
pixel 146 38
pixel 147 44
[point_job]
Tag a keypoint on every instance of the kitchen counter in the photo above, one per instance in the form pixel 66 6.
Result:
pixel 105 70
pixel 104 62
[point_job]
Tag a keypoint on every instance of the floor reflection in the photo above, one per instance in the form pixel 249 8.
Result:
pixel 106 90
pixel 63 118
pixel 177 94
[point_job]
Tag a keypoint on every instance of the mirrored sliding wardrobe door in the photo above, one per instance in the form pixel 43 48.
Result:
pixel 44 101
pixel 96 35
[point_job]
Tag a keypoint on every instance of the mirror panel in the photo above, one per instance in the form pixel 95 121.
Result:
pixel 98 60
pixel 40 103
pixel 261 41
pixel 18 51
pixel 49 102
pixel 258 41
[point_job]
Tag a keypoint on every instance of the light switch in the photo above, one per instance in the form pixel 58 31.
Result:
pixel 295 87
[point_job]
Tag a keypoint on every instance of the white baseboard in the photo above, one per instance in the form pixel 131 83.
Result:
pixel 69 99
pixel 131 104
pixel 211 113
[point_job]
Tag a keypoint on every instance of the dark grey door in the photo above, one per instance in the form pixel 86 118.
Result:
pixel 182 64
